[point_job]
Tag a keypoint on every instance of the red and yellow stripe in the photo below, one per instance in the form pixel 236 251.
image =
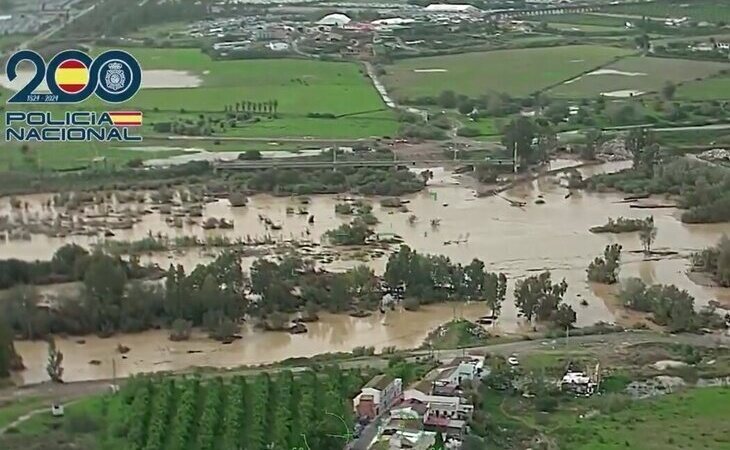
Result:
pixel 126 118
pixel 72 76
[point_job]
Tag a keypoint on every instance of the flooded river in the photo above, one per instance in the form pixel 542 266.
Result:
pixel 518 241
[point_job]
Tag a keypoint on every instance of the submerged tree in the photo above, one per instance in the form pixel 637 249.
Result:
pixel 54 366
pixel 537 297
pixel 605 269
pixel 647 234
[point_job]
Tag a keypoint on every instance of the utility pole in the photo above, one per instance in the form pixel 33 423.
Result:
pixel 514 157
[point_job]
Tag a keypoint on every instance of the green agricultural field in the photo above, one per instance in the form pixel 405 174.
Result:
pixel 711 89
pixel 696 419
pixel 311 410
pixel 298 86
pixel 699 10
pixel 585 19
pixel 584 28
pixel 516 72
pixel 643 74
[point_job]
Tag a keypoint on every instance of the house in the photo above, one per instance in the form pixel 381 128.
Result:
pixel 377 396
pixel 441 405
pixel 461 369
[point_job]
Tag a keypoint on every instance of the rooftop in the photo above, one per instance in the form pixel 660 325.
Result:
pixel 379 382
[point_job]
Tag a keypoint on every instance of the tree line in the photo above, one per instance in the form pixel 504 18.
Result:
pixel 210 296
pixel 669 306
pixel 69 263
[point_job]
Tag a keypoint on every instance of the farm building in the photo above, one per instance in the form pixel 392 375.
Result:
pixel 334 20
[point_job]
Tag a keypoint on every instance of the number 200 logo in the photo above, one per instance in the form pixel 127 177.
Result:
pixel 73 76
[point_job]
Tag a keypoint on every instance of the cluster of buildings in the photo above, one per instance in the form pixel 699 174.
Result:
pixel 411 418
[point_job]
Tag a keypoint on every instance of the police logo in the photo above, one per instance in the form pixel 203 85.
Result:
pixel 115 80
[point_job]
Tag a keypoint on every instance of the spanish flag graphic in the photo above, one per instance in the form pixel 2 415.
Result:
pixel 126 118
pixel 72 76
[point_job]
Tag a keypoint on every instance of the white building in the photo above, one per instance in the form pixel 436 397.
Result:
pixel 334 20
pixel 448 8
pixel 462 369
pixel 377 395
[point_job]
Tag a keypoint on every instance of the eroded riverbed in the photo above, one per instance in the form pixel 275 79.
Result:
pixel 518 241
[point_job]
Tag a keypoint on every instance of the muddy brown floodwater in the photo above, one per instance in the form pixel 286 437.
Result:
pixel 518 241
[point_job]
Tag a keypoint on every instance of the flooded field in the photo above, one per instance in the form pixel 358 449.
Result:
pixel 518 241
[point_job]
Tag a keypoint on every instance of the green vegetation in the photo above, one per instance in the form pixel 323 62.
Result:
pixel 515 72
pixel 300 87
pixel 108 303
pixel 9 360
pixel 642 74
pixel 704 189
pixel 670 307
pixel 605 269
pixel 717 88
pixel 70 263
pixel 284 410
pixel 516 407
pixel 353 233
pixel 714 11
pixel 458 333
pixel 691 419
pixel 11 412
pixel 715 261
pixel 63 156
pixel 199 176
pixel 620 225
pixel 429 278
pixel 536 297
pixel 586 19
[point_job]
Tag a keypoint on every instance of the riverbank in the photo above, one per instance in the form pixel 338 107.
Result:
pixel 518 241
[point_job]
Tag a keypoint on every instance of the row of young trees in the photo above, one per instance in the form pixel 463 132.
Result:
pixel 266 412
pixel 267 107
